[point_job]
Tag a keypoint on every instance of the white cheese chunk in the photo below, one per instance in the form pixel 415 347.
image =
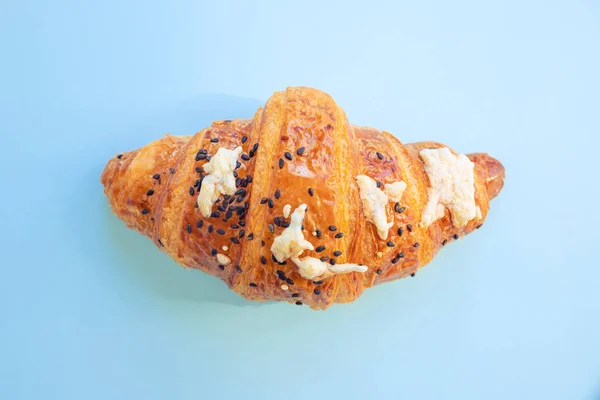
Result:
pixel 291 242
pixel 223 259
pixel 374 201
pixel 286 210
pixel 451 186
pixel 220 179
pixel 313 268
pixel 395 190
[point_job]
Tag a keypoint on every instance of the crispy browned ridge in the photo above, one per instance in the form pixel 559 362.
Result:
pixel 334 153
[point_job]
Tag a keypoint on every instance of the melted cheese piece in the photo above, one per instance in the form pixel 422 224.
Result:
pixel 220 179
pixel 374 201
pixel 451 186
pixel 291 242
pixel 313 268
pixel 395 190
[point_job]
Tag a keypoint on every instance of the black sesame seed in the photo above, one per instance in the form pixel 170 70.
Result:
pixel 281 163
pixel 215 214
pixel 156 176
pixel 244 139
pixel 150 192
pixel 238 164
pixel 270 203
pixel 240 192
pixel 379 155
pixel 395 260
pixel 337 253
pixel 320 249
pixel 400 255
pixel 210 229
pixel 273 258
pixel 245 157
pixel 242 223
pixel 379 272
pixel 213 252
pixel 241 234
pixel 214 140
pixel 238 180
pixel 192 191
pixel 220 231
pixel 398 208
pixel 277 221
pixel 249 179
pixel 250 236
pixel 188 228
pixel 255 147
pixel 238 269
pixel 311 191
pixel 252 284
pixel 379 184
pixel 251 153
pixel 300 151
pixel 332 228
pixel 228 214
pixel 444 242
pixel 289 281
pixel 400 231
pixel 199 224
pixel 200 156
pixel 277 194
pixel 319 234
pixel 332 261
pixel 318 282
pixel 317 292
pixel 161 243
pixel 285 224
pixel 235 240
pixel 271 228
pixel 222 208
pixel 295 295
pixel 120 156
pixel 152 219
pixel 262 243
pixel 172 170
pixel 323 259
pixel 298 303
pixel 412 275
pixel 390 244
pixel 221 267
pixel 263 260
pixel 145 211
pixel 288 155
pixel 199 170
pixel 263 200
pixel 416 244
pixel 339 235
pixel 239 199
pixel 409 227
pixel 455 236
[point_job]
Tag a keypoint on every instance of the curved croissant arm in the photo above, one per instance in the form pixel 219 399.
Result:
pixel 297 204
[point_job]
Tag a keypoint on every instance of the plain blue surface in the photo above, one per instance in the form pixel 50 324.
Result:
pixel 91 310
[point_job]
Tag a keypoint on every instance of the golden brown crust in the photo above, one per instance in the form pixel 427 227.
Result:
pixel 322 176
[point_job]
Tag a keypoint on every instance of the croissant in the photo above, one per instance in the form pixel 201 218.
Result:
pixel 298 205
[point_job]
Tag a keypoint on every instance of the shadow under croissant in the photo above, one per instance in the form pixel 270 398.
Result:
pixel 149 265
pixel 156 270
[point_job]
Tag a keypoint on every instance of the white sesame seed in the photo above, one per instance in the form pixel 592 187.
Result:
pixel 284 287
pixel 225 248
pixel 223 259
pixel 379 254
pixel 286 210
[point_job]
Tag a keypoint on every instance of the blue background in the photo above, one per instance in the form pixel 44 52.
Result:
pixel 91 310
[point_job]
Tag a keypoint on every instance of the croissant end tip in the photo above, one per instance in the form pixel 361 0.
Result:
pixel 495 172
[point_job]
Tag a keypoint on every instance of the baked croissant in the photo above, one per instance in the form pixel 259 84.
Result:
pixel 297 204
